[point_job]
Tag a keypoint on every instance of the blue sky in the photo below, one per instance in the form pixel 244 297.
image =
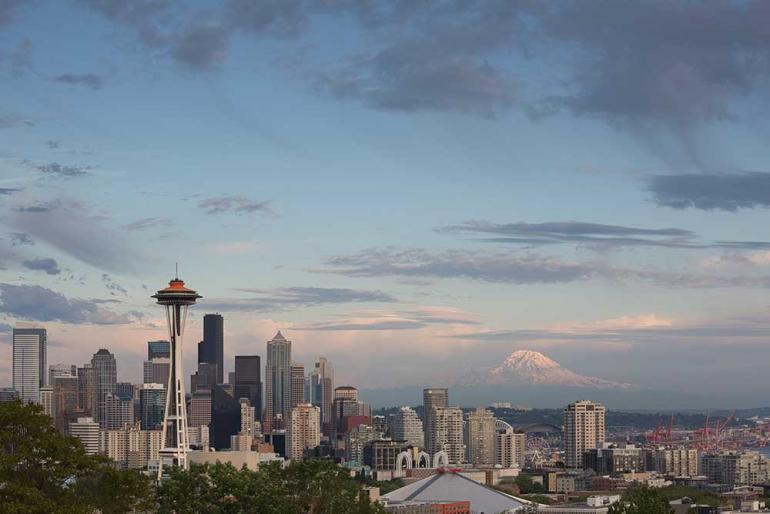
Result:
pixel 395 183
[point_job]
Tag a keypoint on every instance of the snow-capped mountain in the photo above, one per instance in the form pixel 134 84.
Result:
pixel 530 367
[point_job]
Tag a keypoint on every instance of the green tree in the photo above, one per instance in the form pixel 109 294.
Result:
pixel 641 500
pixel 314 486
pixel 529 486
pixel 43 471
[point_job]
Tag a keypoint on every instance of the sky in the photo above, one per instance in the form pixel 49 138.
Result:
pixel 413 189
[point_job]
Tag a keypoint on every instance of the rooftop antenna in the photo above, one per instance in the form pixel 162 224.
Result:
pixel 176 273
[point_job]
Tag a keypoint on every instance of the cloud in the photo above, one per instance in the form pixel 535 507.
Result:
pixel 276 17
pixel 236 204
pixel 652 61
pixel 148 18
pixel 728 192
pixel 413 77
pixel 63 170
pixel 8 191
pixel 147 223
pixel 201 45
pixel 491 267
pixel 21 239
pixel 7 11
pixel 293 297
pixel 13 121
pixel 88 80
pixel 52 144
pixel 113 287
pixel 38 303
pixel 402 320
pixel 71 228
pixel 594 234
pixel 50 266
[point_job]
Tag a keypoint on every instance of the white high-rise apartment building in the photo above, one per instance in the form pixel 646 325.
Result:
pixel 130 447
pixel 247 418
pixel 407 426
pixel 29 362
pixel 583 430
pixel 509 448
pixel 447 433
pixel 303 430
pixel 87 430
pixel 677 461
pixel 480 438
pixel 432 398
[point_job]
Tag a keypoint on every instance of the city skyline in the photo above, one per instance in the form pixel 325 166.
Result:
pixel 386 214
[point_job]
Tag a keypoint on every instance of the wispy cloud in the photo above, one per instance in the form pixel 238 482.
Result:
pixel 491 267
pixel 234 204
pixel 400 320
pixel 295 297
pixel 148 223
pixel 88 80
pixel 63 170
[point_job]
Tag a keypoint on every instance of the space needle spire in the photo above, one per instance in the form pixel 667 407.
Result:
pixel 176 298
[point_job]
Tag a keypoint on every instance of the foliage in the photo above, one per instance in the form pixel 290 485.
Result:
pixel 313 486
pixel 529 486
pixel 699 496
pixel 539 498
pixel 43 471
pixel 641 500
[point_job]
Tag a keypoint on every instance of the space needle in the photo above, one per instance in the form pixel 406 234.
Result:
pixel 176 298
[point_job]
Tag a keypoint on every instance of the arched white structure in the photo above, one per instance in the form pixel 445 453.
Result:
pixel 502 425
pixel 440 459
pixel 404 456
pixel 423 460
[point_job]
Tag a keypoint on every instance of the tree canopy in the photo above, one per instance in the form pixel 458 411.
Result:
pixel 44 471
pixel 641 500
pixel 313 486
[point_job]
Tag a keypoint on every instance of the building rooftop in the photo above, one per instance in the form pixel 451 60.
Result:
pixel 450 486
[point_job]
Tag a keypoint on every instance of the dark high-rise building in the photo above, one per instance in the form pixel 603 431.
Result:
pixel 321 391
pixel 248 381
pixel 212 349
pixel 156 349
pixel 297 385
pixel 433 398
pixel 106 371
pixel 277 383
pixel 124 390
pixel 152 402
pixel 87 401
pixel 204 378
pixel 225 418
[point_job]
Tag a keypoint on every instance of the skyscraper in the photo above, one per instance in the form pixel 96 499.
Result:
pixel 87 401
pixel 225 417
pixel 447 433
pixel 321 391
pixel 158 349
pixel 87 430
pixel 297 385
pixel 65 401
pixel 480 438
pixel 248 381
pixel 106 375
pixel 509 447
pixel 120 411
pixel 583 430
pixel 152 399
pixel 406 426
pixel 61 370
pixel 29 362
pixel 433 398
pixel 303 430
pixel 211 349
pixel 277 383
